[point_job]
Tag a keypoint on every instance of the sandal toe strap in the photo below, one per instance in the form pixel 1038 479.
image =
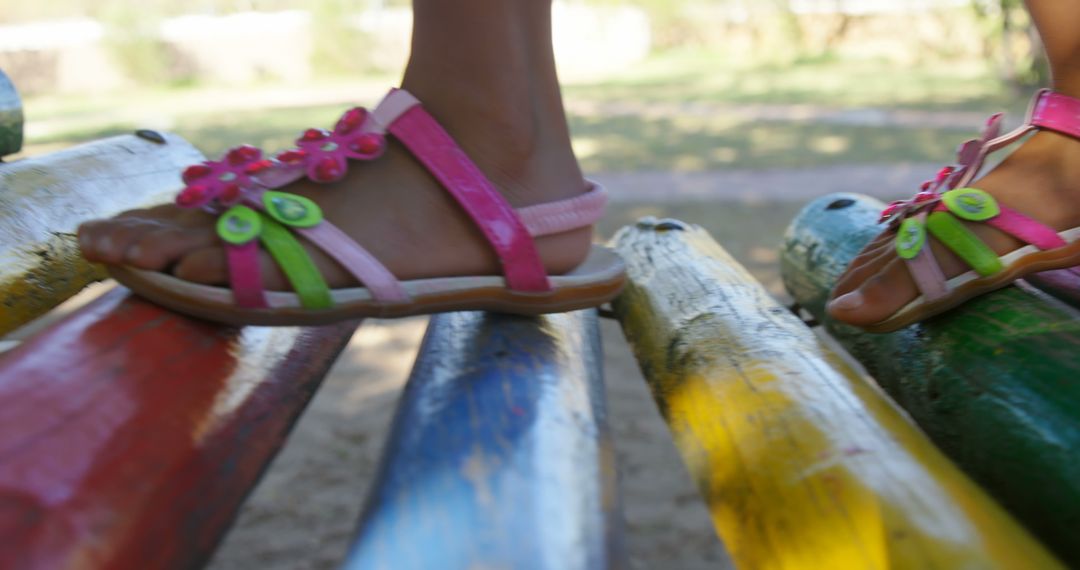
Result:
pixel 920 260
pixel 296 264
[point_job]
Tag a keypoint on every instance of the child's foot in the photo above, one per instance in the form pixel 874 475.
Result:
pixel 391 206
pixel 1040 179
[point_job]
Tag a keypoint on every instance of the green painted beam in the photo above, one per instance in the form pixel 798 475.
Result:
pixel 995 383
pixel 11 117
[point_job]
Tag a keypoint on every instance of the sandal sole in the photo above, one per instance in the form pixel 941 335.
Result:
pixel 597 280
pixel 918 310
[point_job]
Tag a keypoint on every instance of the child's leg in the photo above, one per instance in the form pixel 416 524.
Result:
pixel 1041 179
pixel 485 70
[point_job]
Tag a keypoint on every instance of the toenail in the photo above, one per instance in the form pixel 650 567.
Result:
pixel 847 302
pixel 104 244
pixel 135 252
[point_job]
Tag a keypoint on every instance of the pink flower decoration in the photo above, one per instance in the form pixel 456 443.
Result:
pixel 327 152
pixel 226 180
pixel 970 158
pixel 322 156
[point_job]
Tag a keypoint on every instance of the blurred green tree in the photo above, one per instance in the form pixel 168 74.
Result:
pixel 1011 41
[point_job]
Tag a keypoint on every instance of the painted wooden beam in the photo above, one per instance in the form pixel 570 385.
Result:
pixel 802 462
pixel 499 456
pixel 994 383
pixel 1064 284
pixel 11 118
pixel 43 200
pixel 130 435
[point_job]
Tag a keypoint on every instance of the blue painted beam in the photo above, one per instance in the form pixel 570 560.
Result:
pixel 11 118
pixel 499 456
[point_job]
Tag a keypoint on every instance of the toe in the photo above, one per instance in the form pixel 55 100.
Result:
pixel 160 248
pixel 869 256
pixel 107 241
pixel 207 265
pixel 877 298
pixel 210 266
pixel 867 266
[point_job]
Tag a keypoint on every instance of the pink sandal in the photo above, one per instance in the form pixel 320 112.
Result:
pixel 241 189
pixel 944 203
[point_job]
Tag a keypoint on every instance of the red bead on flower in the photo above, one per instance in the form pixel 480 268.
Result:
pixel 969 160
pixel 327 152
pixel 225 180
pixel 322 156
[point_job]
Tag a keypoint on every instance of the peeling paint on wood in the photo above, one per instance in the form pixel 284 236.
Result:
pixel 11 118
pixel 802 462
pixel 499 456
pixel 994 382
pixel 129 435
pixel 43 200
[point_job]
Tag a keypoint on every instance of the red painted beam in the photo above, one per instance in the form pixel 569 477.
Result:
pixel 129 435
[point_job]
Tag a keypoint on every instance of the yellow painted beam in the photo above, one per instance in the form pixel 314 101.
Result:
pixel 804 464
pixel 43 200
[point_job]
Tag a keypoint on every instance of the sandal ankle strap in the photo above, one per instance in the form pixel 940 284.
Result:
pixel 1056 112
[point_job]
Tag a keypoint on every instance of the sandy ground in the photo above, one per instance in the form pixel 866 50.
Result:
pixel 303 512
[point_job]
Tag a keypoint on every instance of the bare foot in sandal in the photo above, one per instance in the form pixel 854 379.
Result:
pixel 951 242
pixel 1041 181
pixel 497 96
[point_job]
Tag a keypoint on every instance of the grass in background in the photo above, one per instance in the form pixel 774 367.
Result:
pixel 647 118
pixel 697 75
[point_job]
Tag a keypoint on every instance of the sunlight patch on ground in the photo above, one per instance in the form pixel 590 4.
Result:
pixel 830 144
pixel 381 353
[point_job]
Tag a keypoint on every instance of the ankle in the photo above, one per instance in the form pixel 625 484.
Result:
pixel 520 143
pixel 1058 155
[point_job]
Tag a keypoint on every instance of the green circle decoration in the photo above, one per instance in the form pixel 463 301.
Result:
pixel 292 210
pixel 971 204
pixel 910 238
pixel 239 225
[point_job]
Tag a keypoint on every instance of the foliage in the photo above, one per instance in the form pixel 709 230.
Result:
pixel 339 46
pixel 1012 42
pixel 132 38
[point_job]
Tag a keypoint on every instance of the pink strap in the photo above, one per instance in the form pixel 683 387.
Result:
pixel 1021 227
pixel 926 272
pixel 356 260
pixel 927 275
pixel 1057 112
pixel 245 275
pixel 437 151
pixel 565 215
pixel 1026 229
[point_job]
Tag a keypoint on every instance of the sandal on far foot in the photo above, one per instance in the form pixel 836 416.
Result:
pixel 945 207
pixel 242 189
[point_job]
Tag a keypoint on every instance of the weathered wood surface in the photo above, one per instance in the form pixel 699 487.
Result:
pixel 43 200
pixel 499 455
pixel 11 118
pixel 130 435
pixel 802 462
pixel 994 383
